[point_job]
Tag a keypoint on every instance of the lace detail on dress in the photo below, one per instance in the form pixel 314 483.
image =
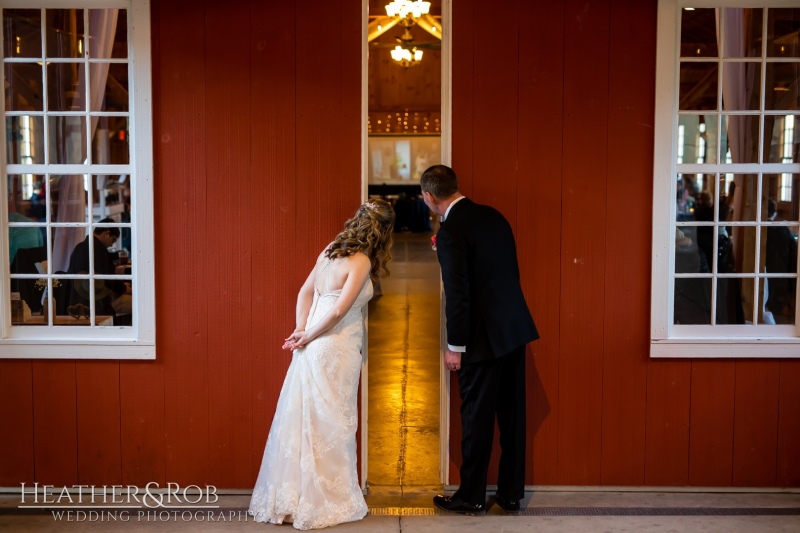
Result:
pixel 308 475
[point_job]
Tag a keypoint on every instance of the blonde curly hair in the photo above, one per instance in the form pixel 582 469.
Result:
pixel 369 232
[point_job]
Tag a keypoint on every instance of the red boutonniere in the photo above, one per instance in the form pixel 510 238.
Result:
pixel 433 242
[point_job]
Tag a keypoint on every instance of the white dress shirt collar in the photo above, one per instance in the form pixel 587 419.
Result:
pixel 449 207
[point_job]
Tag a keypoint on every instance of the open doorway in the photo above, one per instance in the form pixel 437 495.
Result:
pixel 403 121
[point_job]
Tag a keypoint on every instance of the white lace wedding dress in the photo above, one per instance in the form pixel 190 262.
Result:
pixel 308 475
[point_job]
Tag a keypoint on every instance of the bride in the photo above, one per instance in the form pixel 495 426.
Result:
pixel 308 475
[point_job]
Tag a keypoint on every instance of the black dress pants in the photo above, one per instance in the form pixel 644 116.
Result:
pixel 489 389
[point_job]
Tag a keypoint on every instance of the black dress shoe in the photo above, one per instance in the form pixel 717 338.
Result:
pixel 457 505
pixel 507 505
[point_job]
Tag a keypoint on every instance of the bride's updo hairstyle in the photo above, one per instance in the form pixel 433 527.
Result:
pixel 369 232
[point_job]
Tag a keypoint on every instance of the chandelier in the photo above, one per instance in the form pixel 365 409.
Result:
pixel 405 9
pixel 407 13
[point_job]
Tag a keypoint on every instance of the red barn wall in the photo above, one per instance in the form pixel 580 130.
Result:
pixel 257 163
pixel 553 125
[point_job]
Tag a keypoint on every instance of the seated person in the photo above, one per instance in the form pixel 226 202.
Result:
pixel 112 297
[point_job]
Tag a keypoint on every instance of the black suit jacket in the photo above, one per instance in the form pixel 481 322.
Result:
pixel 485 307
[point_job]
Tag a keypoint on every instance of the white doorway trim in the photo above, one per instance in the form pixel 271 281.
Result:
pixel 446 146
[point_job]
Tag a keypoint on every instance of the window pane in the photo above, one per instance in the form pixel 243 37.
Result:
pixel 108 33
pixel 66 87
pixel 730 305
pixel 698 33
pixel 782 30
pixel 22 32
pixel 110 141
pixel 25 140
pixel 110 198
pixel 115 88
pixel 697 139
pixel 740 138
pixel 67 199
pixel 692 301
pixel 742 32
pixel 781 137
pixel 779 249
pixel 695 197
pixel 26 196
pixel 779 189
pixel 23 87
pixel 745 81
pixel 698 89
pixel 780 300
pixel 782 91
pixel 67 139
pixel 119 311
pixel 65 33
pixel 689 258
pixel 742 198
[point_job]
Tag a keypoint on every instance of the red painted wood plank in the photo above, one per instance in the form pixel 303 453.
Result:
pixel 16 419
pixel 55 444
pixel 98 422
pixel 328 129
pixel 711 423
pixel 538 230
pixel 273 155
pixel 462 31
pixel 495 112
pixel 667 425
pixel 494 120
pixel 181 272
pixel 583 254
pixel 788 474
pixel 227 290
pixel 755 430
pixel 626 313
pixel 142 408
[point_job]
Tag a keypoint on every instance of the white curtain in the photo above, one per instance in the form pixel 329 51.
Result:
pixel 71 199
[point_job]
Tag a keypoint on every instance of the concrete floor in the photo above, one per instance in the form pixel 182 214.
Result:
pixel 543 511
pixel 403 460
pixel 403 374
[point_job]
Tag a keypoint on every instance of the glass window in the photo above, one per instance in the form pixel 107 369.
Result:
pixel 79 201
pixel 726 215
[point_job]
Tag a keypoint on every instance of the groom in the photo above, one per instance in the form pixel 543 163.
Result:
pixel 488 326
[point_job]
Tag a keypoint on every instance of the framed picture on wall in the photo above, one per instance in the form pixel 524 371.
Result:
pixel 402 158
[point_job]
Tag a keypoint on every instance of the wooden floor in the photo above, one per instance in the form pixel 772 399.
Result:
pixel 404 364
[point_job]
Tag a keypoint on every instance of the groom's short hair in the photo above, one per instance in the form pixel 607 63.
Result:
pixel 440 181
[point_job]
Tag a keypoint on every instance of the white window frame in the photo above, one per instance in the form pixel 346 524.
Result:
pixel 99 342
pixel 668 340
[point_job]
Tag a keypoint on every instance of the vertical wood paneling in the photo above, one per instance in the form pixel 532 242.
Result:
pixel 328 187
pixel 142 406
pixel 585 137
pixel 16 419
pixel 55 445
pixel 755 430
pixel 788 474
pixel 272 149
pixel 538 231
pixel 228 239
pixel 667 425
pixel 182 248
pixel 494 122
pixel 711 423
pixel 463 92
pixel 98 422
pixel 495 113
pixel 627 259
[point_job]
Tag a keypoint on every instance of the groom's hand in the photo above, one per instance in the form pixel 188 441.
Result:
pixel 452 360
